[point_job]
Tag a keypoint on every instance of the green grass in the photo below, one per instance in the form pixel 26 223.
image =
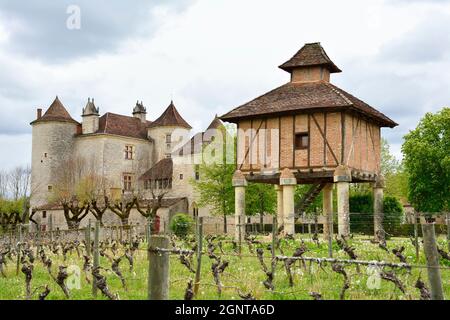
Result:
pixel 244 273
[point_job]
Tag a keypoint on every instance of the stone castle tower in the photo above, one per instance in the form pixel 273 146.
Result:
pixel 52 142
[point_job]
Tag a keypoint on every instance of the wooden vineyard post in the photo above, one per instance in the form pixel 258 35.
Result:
pixel 274 242
pixel 416 235
pixel 158 270
pixel 19 243
pixel 199 255
pixel 130 235
pixel 38 239
pixel 88 238
pixel 432 256
pixel 96 255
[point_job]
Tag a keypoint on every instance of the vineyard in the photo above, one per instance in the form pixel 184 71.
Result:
pixel 116 263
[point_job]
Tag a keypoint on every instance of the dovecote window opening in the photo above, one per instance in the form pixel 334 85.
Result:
pixel 301 141
pixel 129 152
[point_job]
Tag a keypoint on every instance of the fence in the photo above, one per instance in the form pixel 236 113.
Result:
pixel 162 250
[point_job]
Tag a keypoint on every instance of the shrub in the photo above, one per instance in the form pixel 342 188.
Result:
pixel 182 225
pixel 361 217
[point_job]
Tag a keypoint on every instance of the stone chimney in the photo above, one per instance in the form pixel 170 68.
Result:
pixel 39 113
pixel 91 117
pixel 140 112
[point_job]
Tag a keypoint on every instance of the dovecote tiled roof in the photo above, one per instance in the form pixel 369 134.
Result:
pixel 312 54
pixel 298 97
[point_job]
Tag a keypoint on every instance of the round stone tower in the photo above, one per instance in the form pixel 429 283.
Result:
pixel 53 137
pixel 167 132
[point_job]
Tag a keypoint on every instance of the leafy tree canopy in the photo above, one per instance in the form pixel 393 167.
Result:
pixel 426 152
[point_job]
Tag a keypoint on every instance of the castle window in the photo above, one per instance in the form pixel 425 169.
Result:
pixel 168 138
pixel 44 214
pixel 45 155
pixel 50 188
pixel 127 182
pixel 301 141
pixel 129 152
pixel 181 176
pixel 168 155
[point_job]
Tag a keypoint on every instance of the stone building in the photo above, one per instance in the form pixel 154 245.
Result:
pixel 129 152
pixel 309 131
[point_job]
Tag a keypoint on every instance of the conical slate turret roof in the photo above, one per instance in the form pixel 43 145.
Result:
pixel 170 118
pixel 56 112
pixel 311 54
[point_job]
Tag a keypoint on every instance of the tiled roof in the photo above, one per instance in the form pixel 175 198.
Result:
pixel 294 97
pixel 161 170
pixel 170 117
pixel 312 54
pixel 196 143
pixel 56 112
pixel 165 202
pixel 111 123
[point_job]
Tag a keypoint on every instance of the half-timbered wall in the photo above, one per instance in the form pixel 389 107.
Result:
pixel 334 138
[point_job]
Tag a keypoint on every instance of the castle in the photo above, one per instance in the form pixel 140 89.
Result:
pixel 129 152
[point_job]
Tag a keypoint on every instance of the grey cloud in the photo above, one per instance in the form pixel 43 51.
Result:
pixel 428 42
pixel 39 27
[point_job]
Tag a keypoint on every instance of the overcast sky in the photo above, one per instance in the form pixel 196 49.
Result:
pixel 211 56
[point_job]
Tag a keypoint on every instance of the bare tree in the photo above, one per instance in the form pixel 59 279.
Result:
pixel 158 189
pixel 19 182
pixel 69 192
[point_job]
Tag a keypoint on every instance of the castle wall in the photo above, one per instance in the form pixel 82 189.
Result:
pixel 161 148
pixel 107 154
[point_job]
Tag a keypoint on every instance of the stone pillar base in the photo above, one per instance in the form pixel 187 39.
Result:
pixel 288 183
pixel 342 178
pixel 378 212
pixel 239 184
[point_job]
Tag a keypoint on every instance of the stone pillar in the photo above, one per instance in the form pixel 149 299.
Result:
pixel 280 215
pixel 342 178
pixel 378 211
pixel 327 207
pixel 239 184
pixel 288 183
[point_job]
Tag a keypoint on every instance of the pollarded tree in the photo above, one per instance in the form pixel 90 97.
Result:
pixel 426 152
pixel 66 192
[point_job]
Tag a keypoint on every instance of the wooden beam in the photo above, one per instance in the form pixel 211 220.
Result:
pixel 325 139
